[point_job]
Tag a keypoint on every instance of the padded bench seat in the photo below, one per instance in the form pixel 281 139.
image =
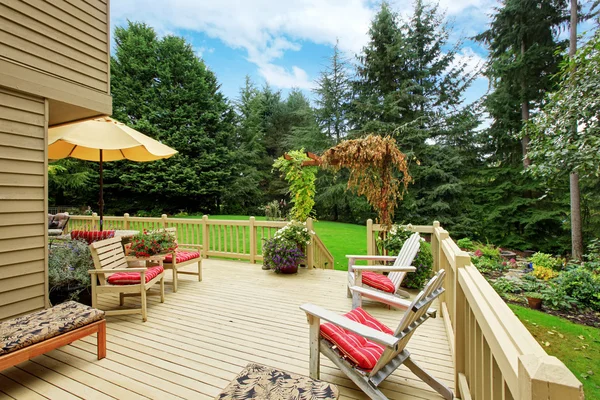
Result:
pixel 37 333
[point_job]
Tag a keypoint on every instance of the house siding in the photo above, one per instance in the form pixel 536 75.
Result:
pixel 23 203
pixel 57 49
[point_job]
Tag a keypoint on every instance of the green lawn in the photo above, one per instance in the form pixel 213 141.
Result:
pixel 575 345
pixel 339 238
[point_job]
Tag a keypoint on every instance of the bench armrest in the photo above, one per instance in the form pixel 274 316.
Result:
pixel 343 322
pixel 372 258
pixel 383 268
pixel 388 299
pixel 110 271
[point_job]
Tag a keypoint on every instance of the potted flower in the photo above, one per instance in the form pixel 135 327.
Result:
pixel 148 244
pixel 534 299
pixel 296 232
pixel 281 255
pixel 68 277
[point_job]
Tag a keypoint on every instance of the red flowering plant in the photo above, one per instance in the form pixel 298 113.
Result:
pixel 148 244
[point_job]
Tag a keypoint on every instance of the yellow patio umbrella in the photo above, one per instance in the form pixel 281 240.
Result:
pixel 103 139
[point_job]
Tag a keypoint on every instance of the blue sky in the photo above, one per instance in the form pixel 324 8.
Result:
pixel 286 42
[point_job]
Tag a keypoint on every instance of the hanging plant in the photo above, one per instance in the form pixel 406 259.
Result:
pixel 301 180
pixel 378 170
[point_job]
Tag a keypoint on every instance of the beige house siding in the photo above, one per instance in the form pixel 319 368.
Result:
pixel 58 50
pixel 23 203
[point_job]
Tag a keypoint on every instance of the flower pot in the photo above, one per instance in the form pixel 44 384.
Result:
pixel 534 303
pixel 288 269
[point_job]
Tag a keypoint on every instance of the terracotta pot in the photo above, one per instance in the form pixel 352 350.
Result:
pixel 534 303
pixel 289 269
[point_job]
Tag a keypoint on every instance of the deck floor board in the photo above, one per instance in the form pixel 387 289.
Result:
pixel 195 343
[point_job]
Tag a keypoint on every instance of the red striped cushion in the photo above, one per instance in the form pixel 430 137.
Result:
pixel 92 236
pixel 182 256
pixel 359 350
pixel 378 281
pixel 132 278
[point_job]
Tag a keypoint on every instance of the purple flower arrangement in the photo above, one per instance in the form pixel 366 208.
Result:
pixel 282 255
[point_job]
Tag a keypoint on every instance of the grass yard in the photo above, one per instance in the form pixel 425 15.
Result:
pixel 339 238
pixel 575 345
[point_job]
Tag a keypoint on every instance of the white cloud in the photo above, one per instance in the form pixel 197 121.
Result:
pixel 266 29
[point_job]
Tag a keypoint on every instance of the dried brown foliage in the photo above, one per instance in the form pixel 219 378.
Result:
pixel 378 170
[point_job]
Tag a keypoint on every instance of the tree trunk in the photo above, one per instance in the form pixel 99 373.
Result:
pixel 576 235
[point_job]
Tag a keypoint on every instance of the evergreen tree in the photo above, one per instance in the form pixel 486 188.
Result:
pixel 410 84
pixel 333 94
pixel 161 88
pixel 302 130
pixel 251 165
pixel 523 44
pixel 514 209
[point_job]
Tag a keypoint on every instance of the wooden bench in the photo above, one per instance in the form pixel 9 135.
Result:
pixel 37 333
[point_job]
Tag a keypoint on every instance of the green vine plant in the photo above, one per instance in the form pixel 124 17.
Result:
pixel 378 170
pixel 301 180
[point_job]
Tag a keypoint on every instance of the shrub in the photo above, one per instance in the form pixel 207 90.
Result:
pixel 556 298
pixel 592 258
pixel 582 285
pixel 273 211
pixel 396 237
pixel 489 251
pixel 424 263
pixel 533 295
pixel 281 253
pixel 546 260
pixel 504 286
pixel 544 273
pixel 68 265
pixel 466 244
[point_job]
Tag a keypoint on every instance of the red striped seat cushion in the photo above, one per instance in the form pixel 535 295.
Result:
pixel 92 236
pixel 378 281
pixel 359 350
pixel 181 256
pixel 132 278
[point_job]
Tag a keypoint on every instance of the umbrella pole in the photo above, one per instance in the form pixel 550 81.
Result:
pixel 101 202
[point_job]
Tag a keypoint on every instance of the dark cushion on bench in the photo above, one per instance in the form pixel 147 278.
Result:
pixel 33 328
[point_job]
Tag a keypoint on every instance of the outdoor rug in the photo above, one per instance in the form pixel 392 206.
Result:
pixel 260 382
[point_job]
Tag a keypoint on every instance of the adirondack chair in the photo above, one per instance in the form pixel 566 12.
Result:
pixel 185 254
pixel 365 349
pixel 112 276
pixel 359 275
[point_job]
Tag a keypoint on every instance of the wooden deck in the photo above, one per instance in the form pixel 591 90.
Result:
pixel 203 335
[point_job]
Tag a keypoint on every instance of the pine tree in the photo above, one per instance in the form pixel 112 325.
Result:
pixel 523 47
pixel 410 84
pixel 333 94
pixel 161 88
pixel 251 165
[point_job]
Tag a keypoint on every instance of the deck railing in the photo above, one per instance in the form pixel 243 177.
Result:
pixel 495 356
pixel 240 239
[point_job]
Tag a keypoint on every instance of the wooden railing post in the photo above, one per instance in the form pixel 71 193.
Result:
pixel 163 221
pixel 205 236
pixel 546 378
pixel 310 251
pixel 441 236
pixel 435 247
pixel 459 321
pixel 95 219
pixel 126 221
pixel 370 241
pixel 252 241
